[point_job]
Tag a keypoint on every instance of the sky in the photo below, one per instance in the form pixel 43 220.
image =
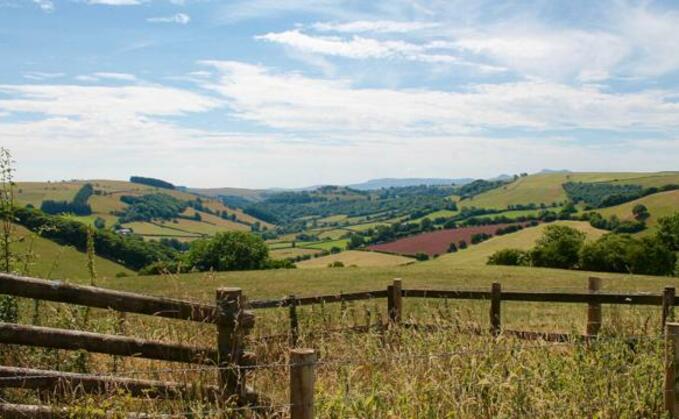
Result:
pixel 272 93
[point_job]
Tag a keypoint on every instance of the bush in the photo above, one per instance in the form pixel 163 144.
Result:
pixel 559 247
pixel 452 248
pixel 336 264
pixel 510 257
pixel 668 231
pixel 228 251
pixel 462 244
pixel 626 254
pixel 421 256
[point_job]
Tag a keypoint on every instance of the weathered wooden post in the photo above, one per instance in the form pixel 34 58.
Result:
pixel 233 322
pixel 593 309
pixel 495 314
pixel 394 301
pixel 671 369
pixel 302 362
pixel 667 306
pixel 294 321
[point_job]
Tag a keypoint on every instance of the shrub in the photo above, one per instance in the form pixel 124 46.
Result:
pixel 558 247
pixel 462 244
pixel 452 248
pixel 624 253
pixel 510 257
pixel 668 231
pixel 421 256
pixel 228 251
pixel 336 264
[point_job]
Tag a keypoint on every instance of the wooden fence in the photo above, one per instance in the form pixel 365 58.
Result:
pixel 233 318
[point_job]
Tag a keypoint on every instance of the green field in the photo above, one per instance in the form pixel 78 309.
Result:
pixel 356 258
pixel 291 252
pixel 659 205
pixel 324 245
pixel 434 215
pixel 60 262
pixel 546 188
pixel 524 239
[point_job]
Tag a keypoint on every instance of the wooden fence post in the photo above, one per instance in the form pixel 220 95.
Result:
pixel 394 301
pixel 294 321
pixel 302 362
pixel 671 369
pixel 232 324
pixel 495 313
pixel 593 309
pixel 667 306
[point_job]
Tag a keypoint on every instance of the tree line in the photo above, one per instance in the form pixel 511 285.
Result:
pixel 78 205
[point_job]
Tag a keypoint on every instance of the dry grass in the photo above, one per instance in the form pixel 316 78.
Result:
pixel 356 258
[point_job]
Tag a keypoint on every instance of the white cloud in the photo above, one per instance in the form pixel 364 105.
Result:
pixel 95 77
pixel 358 47
pixel 293 102
pixel 180 18
pixel 377 26
pixel 46 6
pixel 103 103
pixel 548 54
pixel 42 75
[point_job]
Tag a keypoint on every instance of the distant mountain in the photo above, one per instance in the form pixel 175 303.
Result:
pixel 374 184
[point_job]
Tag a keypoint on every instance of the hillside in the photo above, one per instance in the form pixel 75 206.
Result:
pixel 106 203
pixel 546 187
pixel 356 258
pixel 659 205
pixel 54 261
pixel 524 239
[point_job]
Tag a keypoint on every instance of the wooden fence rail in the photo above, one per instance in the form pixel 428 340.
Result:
pixel 62 292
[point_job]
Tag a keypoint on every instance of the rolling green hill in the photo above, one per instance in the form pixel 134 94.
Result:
pixel 659 205
pixel 106 202
pixel 60 262
pixel 546 188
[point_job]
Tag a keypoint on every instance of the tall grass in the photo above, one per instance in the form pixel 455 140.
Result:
pixel 450 370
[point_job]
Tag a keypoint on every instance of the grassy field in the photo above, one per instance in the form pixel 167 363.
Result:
pixel 291 252
pixel 546 188
pixel 60 262
pixel 659 205
pixel 434 215
pixel 525 239
pixel 334 234
pixel 325 245
pixel 356 258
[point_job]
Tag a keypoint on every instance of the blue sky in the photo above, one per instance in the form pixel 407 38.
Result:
pixel 264 93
